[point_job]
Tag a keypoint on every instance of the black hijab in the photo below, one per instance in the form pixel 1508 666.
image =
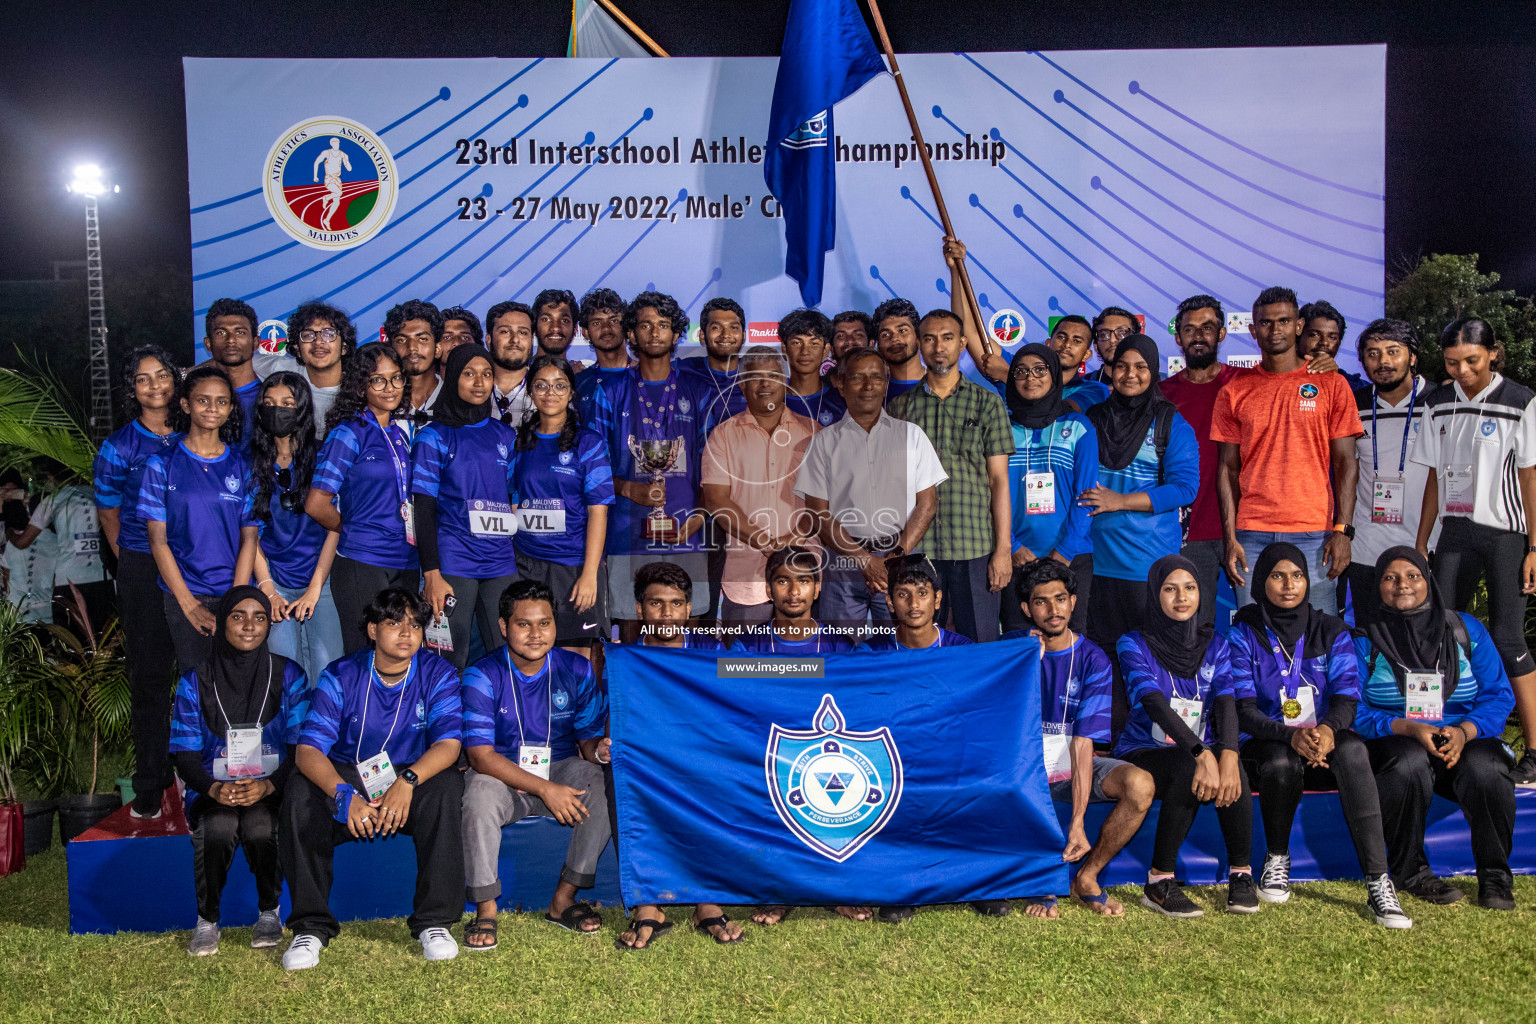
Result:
pixel 237 679
pixel 1288 624
pixel 1416 640
pixel 1122 421
pixel 450 410
pixel 1178 646
pixel 1041 412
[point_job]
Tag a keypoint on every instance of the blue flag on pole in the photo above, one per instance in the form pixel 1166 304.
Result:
pixel 908 777
pixel 827 56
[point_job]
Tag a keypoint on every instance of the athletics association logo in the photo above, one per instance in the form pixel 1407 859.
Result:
pixel 565 458
pixel 560 699
pixel 330 183
pixel 1007 326
pixel 833 788
pixel 272 336
pixel 1487 427
pixel 232 483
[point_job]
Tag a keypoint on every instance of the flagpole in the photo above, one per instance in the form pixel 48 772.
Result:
pixel 623 19
pixel 933 181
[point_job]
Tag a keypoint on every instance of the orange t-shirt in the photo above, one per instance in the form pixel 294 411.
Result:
pixel 1283 423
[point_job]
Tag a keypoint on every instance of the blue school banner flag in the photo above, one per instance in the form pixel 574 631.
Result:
pixel 827 57
pixel 907 777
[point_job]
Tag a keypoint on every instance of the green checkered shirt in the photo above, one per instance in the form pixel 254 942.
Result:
pixel 965 428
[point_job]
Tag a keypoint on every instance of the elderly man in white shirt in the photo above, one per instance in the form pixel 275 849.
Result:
pixel 871 480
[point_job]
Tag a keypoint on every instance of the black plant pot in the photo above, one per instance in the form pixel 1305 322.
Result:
pixel 78 813
pixel 39 825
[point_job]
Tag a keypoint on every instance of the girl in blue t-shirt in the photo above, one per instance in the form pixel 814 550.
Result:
pixel 1182 730
pixel 235 721
pixel 196 504
pixel 563 484
pixel 293 560
pixel 362 488
pixel 461 486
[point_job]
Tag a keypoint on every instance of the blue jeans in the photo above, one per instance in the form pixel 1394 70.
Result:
pixel 1322 595
pixel 313 643
pixel 846 600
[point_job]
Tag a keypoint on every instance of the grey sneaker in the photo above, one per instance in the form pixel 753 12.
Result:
pixel 1275 878
pixel 205 939
pixel 268 931
pixel 1382 899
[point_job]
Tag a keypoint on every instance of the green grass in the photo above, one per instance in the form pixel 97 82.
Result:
pixel 1316 958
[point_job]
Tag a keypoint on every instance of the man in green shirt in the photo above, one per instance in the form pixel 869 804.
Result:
pixel 969 541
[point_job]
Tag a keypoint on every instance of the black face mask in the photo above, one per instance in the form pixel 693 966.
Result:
pixel 277 420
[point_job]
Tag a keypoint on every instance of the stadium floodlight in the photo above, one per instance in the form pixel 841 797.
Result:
pixel 90 182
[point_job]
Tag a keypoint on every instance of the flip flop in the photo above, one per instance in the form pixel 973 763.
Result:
pixel 658 929
pixel 572 917
pixel 716 922
pixel 782 917
pixel 1101 900
pixel 1041 901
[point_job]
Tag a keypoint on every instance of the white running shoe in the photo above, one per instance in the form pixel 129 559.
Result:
pixel 437 944
pixel 1382 899
pixel 1275 878
pixel 303 953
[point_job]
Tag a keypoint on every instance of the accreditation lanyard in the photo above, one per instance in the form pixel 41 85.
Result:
pixel 1402 456
pixel 1066 698
pixel 228 722
pixel 549 702
pixel 1050 446
pixel 1288 664
pixel 402 468
pixel 362 725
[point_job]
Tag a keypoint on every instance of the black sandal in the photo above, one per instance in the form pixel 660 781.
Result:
pixel 572 917
pixel 716 922
pixel 480 926
pixel 658 929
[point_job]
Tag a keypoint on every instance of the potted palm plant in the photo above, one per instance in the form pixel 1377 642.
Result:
pixel 28 715
pixel 92 680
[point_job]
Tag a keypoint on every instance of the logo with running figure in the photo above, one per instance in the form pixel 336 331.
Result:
pixel 833 788
pixel 330 183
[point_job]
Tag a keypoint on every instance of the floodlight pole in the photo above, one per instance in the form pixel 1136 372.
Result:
pixel 96 304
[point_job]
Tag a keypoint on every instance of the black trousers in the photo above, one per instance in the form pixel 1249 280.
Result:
pixel 969 603
pixel 1280 775
pixel 1362 589
pixel 151 675
pixel 1467 552
pixel 353 585
pixel 1115 608
pixel 310 834
pixel 1013 615
pixel 216 831
pixel 192 648
pixel 1406 778
pixel 1173 775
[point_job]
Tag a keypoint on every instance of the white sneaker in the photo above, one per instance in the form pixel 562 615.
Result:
pixel 205 939
pixel 303 953
pixel 1275 878
pixel 1382 901
pixel 437 944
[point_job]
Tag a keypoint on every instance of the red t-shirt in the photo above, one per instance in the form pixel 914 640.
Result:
pixel 1283 423
pixel 1196 403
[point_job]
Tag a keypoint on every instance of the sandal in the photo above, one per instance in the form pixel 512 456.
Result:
pixel 1101 900
pixel 1047 902
pixel 658 929
pixel 716 922
pixel 480 926
pixel 573 917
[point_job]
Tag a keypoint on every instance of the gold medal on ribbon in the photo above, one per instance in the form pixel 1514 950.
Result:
pixel 1291 708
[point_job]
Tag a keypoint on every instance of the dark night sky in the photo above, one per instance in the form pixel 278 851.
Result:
pixel 103 81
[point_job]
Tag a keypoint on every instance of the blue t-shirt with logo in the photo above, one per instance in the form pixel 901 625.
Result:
pixel 1069 450
pixel 900 387
pixel 1085 392
pixel 1126 543
pixel 888 642
pixel 468 470
pixel 558 706
pixel 1481 693
pixel 768 641
pixel 204 503
pixel 291 541
pixel 1257 664
pixel 823 408
pixel 562 485
pixel 118 474
pixel 189 726
pixel 1076 689
pixel 726 399
pixel 369 471
pixel 353 715
pixel 587 383
pixel 1143 675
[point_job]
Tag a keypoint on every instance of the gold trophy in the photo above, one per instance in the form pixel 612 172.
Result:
pixel 658 456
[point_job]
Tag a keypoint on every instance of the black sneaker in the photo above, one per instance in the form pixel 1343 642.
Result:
pixel 992 908
pixel 1435 890
pixel 895 915
pixel 1165 897
pixel 1495 896
pixel 1381 898
pixel 1242 894
pixel 1524 772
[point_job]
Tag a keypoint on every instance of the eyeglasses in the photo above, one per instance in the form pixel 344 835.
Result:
pixel 1038 372
pixel 328 334
pixel 544 387
pixel 1112 333
pixel 385 383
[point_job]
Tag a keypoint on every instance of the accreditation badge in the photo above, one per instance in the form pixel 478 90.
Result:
pixel 438 637
pixel 1460 489
pixel 1188 710
pixel 1424 694
pixel 1058 756
pixel 408 517
pixel 377 773
pixel 245 756
pixel 1387 501
pixel 1039 494
pixel 534 760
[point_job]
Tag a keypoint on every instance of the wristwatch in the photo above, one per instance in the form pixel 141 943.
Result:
pixel 410 777
pixel 1347 529
pixel 1198 749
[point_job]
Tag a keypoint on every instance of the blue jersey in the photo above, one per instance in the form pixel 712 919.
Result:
pixel 899 387
pixel 766 640
pixel 1069 450
pixel 1482 694
pixel 247 397
pixel 118 474
pixel 369 471
pixel 1085 393
pixel 557 707
pixel 204 504
pixel 1076 689
pixel 823 408
pixel 190 732
pixel 587 383
pixel 628 410
pixel 353 715
pixel 1143 676
pixel 554 489
pixel 726 399
pixel 1125 544
pixel 696 641
pixel 888 642
pixel 291 542
pixel 1261 670
pixel 468 470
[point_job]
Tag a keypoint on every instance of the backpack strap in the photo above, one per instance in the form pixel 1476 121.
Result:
pixel 1162 431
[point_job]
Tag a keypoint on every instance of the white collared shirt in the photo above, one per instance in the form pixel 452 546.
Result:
pixel 870 480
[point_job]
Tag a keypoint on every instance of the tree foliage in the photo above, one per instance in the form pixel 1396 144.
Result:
pixel 1440 288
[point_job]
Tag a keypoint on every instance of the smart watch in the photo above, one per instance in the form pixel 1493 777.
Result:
pixel 1347 529
pixel 411 777
pixel 1198 749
